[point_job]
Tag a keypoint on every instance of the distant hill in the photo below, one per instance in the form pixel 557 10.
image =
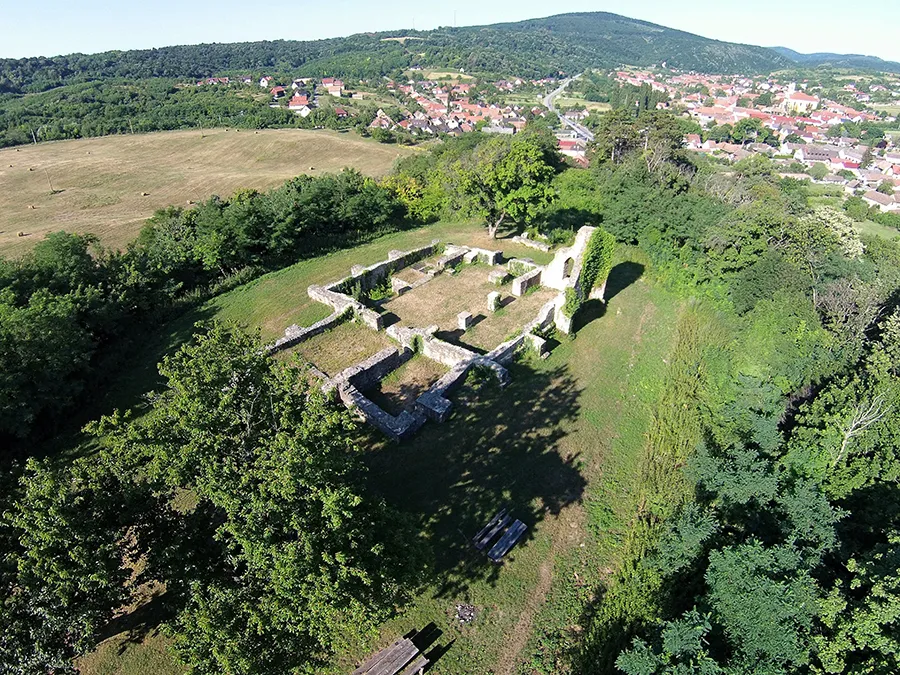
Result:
pixel 838 60
pixel 611 40
pixel 568 42
pixel 532 48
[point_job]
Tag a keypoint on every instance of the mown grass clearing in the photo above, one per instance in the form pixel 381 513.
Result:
pixel 446 75
pixel 889 108
pixel 99 182
pixel 341 347
pixel 870 227
pixel 540 446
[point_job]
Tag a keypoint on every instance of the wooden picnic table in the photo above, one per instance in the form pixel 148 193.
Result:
pixel 392 660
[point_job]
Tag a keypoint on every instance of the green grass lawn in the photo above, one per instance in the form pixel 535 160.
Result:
pixel 889 108
pixel 877 229
pixel 543 447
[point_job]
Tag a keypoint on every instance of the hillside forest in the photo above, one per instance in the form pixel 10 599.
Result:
pixel 763 533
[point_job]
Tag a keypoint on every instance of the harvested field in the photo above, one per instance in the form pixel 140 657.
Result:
pixel 440 300
pixel 399 390
pixel 99 182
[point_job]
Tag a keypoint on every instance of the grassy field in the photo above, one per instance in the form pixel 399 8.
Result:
pixel 889 108
pixel 444 75
pixel 543 447
pixel 99 182
pixel 877 229
pixel 569 101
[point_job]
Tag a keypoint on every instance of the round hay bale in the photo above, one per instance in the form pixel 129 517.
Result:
pixel 145 194
pixel 31 207
pixel 31 168
pixel 21 234
pixel 312 168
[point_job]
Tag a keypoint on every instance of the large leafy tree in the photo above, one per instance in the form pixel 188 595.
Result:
pixel 68 543
pixel 507 179
pixel 283 558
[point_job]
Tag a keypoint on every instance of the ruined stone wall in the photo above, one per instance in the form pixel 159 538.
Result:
pixel 446 353
pixel 528 280
pixel 368 373
pixel 372 276
pixel 394 427
pixel 556 275
pixel 295 334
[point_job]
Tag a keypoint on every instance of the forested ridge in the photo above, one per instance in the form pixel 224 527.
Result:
pixel 757 532
pixel 534 48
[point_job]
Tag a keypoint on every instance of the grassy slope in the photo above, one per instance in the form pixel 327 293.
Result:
pixel 541 446
pixel 102 179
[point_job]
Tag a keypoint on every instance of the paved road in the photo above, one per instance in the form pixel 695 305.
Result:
pixel 580 130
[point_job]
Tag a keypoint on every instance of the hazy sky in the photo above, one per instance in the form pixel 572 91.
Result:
pixel 52 27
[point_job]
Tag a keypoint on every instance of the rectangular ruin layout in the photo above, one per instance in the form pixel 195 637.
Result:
pixel 380 298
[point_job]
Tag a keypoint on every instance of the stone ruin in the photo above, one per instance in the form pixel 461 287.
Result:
pixel 561 273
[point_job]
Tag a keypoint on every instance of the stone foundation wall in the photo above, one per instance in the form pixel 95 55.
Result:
pixel 373 275
pixel 368 373
pixel 394 427
pixel 295 334
pixel 453 255
pixel 521 284
pixel 525 240
pixel 446 353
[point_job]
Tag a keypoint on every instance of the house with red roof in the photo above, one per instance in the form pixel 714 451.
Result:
pixel 298 101
pixel 799 102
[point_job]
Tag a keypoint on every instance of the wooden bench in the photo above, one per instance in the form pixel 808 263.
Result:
pixel 490 530
pixel 507 541
pixel 416 667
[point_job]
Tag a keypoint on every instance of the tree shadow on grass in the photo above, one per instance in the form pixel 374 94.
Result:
pixel 498 450
pixel 136 623
pixel 621 277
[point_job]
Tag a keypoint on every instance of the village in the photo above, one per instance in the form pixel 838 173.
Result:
pixel 803 131
pixel 788 121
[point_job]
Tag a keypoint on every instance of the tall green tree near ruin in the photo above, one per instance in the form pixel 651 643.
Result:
pixel 506 180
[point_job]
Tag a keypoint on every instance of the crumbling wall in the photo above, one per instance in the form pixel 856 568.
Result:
pixel 558 275
pixel 372 370
pixel 394 427
pixel 528 280
pixel 372 276
pixel 295 334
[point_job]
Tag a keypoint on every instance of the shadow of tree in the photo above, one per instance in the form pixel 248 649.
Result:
pixel 135 624
pixel 499 449
pixel 621 276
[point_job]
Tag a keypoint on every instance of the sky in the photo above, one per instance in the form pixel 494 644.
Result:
pixel 54 27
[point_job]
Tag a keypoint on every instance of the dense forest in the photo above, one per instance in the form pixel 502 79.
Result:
pixel 765 516
pixel 123 107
